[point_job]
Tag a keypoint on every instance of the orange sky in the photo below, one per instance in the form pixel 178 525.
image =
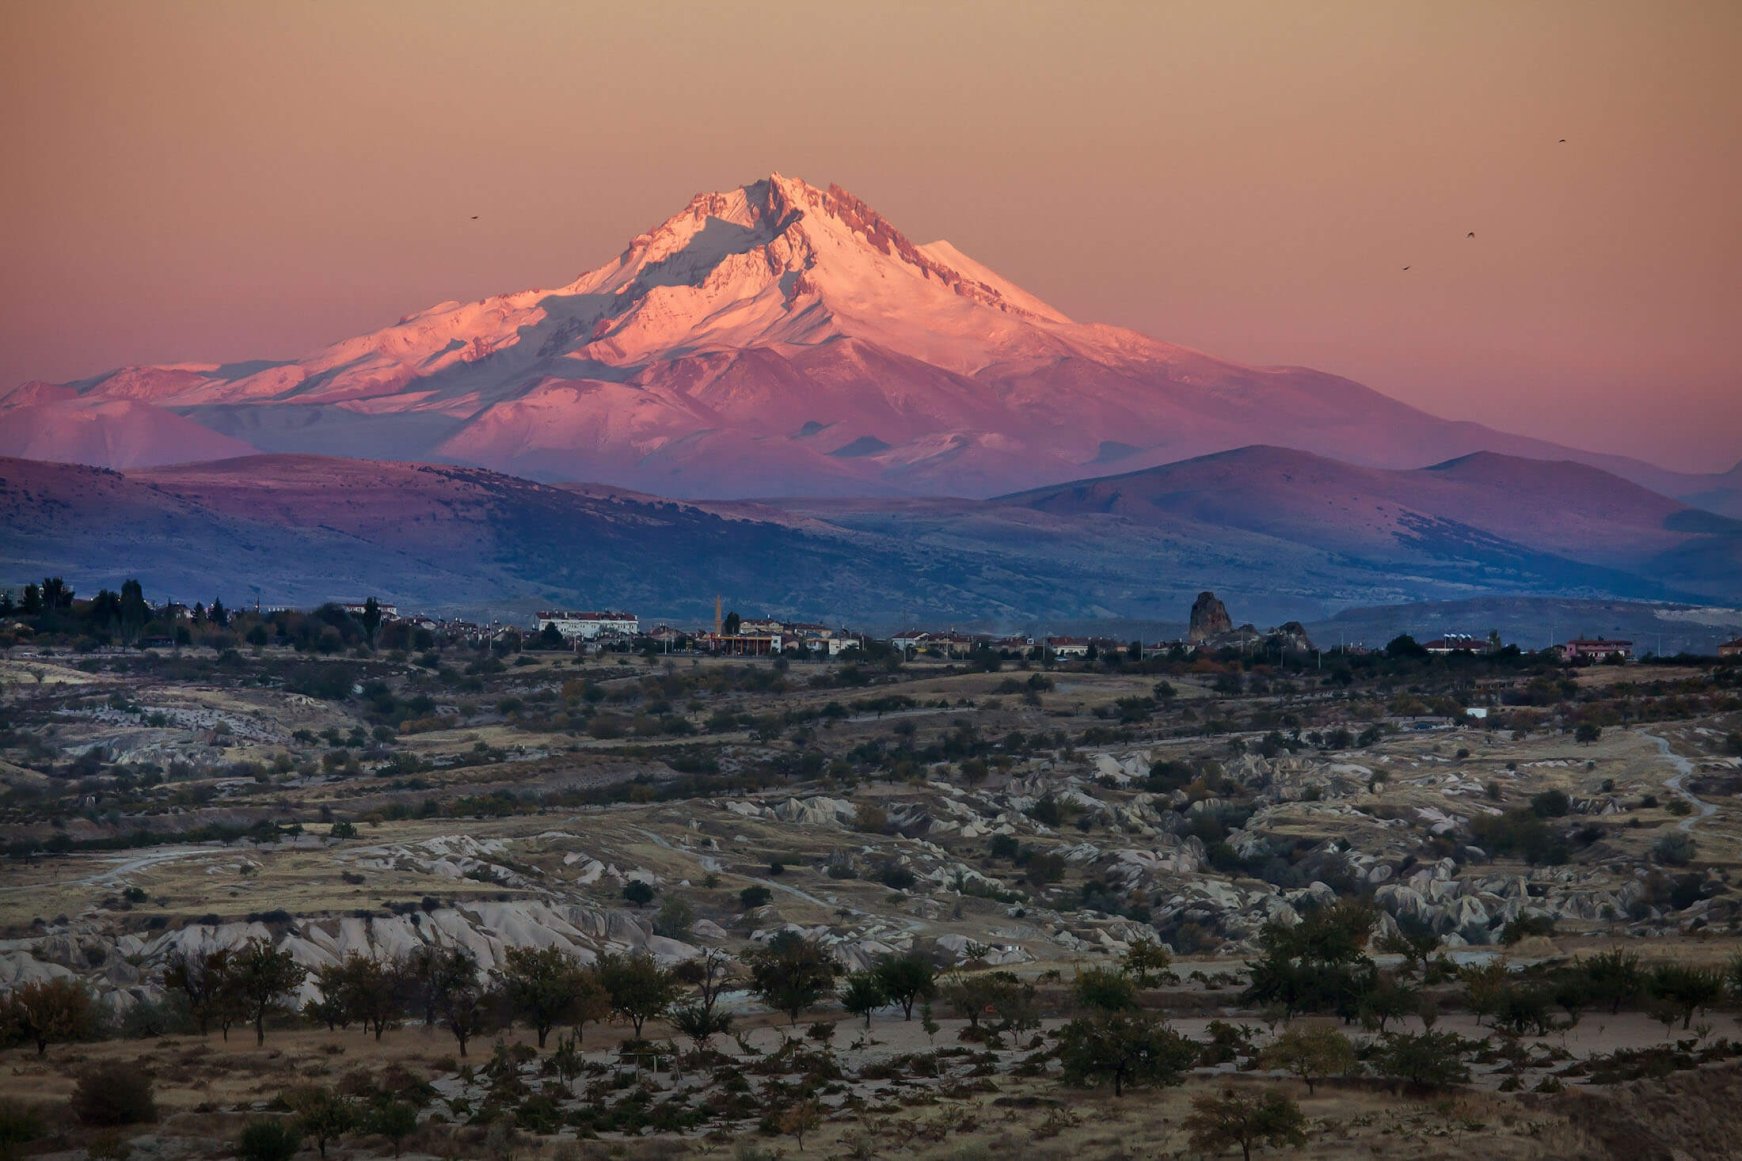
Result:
pixel 220 181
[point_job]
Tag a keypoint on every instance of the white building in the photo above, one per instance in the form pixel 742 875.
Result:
pixel 589 626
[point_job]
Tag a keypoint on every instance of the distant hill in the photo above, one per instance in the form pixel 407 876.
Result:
pixel 1281 534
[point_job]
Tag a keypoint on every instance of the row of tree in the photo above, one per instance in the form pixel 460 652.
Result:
pixel 542 988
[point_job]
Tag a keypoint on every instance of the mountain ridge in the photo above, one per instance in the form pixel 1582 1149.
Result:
pixel 1292 536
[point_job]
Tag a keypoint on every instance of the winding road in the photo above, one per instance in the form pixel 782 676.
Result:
pixel 1683 768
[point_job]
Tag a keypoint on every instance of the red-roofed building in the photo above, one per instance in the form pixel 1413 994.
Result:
pixel 1596 649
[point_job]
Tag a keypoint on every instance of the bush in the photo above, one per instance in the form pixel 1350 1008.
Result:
pixel 750 898
pixel 1675 849
pixel 20 1124
pixel 274 1140
pixel 113 1093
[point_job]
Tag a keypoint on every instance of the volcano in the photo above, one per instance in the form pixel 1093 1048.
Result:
pixel 775 339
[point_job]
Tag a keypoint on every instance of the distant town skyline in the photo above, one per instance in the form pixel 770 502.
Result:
pixel 197 182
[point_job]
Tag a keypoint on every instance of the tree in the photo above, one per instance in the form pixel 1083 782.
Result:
pixel 698 1023
pixel 638 893
pixel 906 980
pixel 45 1012
pixel 395 1120
pixel 546 987
pixel 1128 1048
pixel 862 994
pixel 550 637
pixel 675 919
pixel 371 620
pixel 639 988
pixel 134 612
pixel 1311 1053
pixel 201 979
pixel 1384 999
pixel 1686 989
pixel 1614 978
pixel 1317 965
pixel 799 1118
pixel 371 992
pixel 732 623
pixel 1426 1059
pixel 465 1005
pixel 329 1008
pixel 416 971
pixel 321 1113
pixel 792 973
pixel 269 1140
pixel 1415 941
pixel 31 604
pixel 1147 962
pixel 1105 990
pixel 1403 645
pixel 1587 733
pixel 1003 1001
pixel 1218 1121
pixel 260 978
pixel 1485 986
pixel 56 594
pixel 710 974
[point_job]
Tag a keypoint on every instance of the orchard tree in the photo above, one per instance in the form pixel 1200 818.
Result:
pixel 862 994
pixel 200 978
pixel 370 992
pixel 906 980
pixel 546 987
pixel 1126 1048
pixel 261 978
pixel 1148 963
pixel 639 988
pixel 45 1012
pixel 1237 1119
pixel 464 1004
pixel 1105 990
pixel 792 973
pixel 322 1113
pixel 1311 1053
pixel 709 974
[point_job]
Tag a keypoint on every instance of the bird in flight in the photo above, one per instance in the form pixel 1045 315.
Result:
pixel 1471 234
pixel 1563 140
pixel 474 217
pixel 1406 268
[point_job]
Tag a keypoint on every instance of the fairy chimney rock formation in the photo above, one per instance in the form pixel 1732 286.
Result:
pixel 1209 619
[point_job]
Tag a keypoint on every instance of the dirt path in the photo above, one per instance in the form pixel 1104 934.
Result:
pixel 124 867
pixel 1683 768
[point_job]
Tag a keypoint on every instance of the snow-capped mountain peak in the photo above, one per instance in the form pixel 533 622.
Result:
pixel 773 338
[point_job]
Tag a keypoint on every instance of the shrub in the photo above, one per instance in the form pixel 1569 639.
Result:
pixel 274 1140
pixel 20 1123
pixel 1675 849
pixel 113 1093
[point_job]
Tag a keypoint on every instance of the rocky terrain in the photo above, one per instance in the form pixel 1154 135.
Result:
pixel 1049 822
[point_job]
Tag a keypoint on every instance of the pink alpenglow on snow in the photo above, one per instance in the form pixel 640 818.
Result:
pixel 777 338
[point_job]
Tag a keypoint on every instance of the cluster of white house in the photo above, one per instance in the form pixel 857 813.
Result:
pixel 590 626
pixel 750 638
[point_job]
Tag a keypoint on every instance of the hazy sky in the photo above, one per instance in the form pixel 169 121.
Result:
pixel 213 181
